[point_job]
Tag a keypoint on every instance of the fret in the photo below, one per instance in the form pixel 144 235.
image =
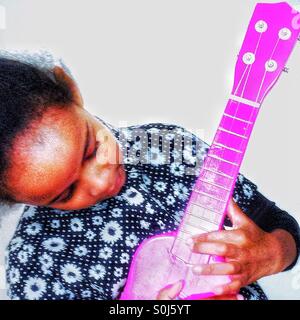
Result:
pixel 213 184
pixel 209 196
pixel 232 133
pixel 202 218
pixel 241 111
pixel 223 160
pixel 226 156
pixel 242 100
pixel 182 238
pixel 238 119
pixel 232 125
pixel 194 230
pixel 208 188
pixel 231 140
pixel 201 206
pixel 202 222
pixel 214 178
pixel 221 165
pixel 189 235
pixel 208 202
pixel 205 214
pixel 228 148
pixel 218 173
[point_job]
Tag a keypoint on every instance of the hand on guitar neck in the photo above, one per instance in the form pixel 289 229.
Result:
pixel 249 255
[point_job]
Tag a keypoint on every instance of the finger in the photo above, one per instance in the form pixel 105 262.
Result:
pixel 237 216
pixel 228 236
pixel 218 269
pixel 230 288
pixel 170 292
pixel 242 278
pixel 216 248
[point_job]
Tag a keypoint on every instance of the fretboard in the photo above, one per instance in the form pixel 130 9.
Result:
pixel 207 206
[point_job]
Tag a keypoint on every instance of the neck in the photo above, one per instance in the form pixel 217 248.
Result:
pixel 206 209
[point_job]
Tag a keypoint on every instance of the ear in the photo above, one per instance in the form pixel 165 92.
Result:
pixel 61 75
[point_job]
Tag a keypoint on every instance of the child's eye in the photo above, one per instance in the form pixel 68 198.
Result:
pixel 69 197
pixel 69 194
pixel 93 154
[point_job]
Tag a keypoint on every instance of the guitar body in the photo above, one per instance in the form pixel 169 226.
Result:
pixel 145 280
pixel 164 260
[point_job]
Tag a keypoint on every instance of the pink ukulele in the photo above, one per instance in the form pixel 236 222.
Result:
pixel 166 259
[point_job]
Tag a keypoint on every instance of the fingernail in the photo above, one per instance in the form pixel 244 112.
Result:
pixel 240 297
pixel 198 269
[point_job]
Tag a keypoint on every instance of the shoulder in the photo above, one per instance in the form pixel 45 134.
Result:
pixel 165 131
pixel 156 127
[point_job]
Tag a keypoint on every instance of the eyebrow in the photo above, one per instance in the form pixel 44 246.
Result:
pixel 87 139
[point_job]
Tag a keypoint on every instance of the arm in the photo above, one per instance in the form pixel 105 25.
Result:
pixel 283 226
pixel 271 219
pixel 286 250
pixel 266 240
pixel 249 252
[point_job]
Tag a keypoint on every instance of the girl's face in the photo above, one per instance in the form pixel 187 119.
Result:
pixel 67 160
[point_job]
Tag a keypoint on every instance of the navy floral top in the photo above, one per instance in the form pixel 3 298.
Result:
pixel 86 254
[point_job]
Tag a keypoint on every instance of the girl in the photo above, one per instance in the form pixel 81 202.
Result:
pixel 94 192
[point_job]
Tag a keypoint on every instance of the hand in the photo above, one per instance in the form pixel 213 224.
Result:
pixel 249 252
pixel 171 293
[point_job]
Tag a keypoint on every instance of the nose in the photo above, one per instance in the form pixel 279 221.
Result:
pixel 97 181
pixel 99 172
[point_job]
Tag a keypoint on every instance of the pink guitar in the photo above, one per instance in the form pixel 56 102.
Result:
pixel 166 259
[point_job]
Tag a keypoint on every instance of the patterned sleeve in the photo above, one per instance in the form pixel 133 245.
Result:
pixel 264 212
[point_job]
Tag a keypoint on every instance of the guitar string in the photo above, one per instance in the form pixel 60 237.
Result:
pixel 247 68
pixel 247 78
pixel 241 145
pixel 262 82
pixel 243 91
pixel 257 98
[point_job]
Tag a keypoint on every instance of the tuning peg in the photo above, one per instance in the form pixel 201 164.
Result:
pixel 286 69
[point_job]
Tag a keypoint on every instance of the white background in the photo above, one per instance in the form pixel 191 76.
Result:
pixel 168 61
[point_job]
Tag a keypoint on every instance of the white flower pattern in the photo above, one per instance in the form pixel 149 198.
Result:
pixel 71 273
pixel 97 272
pixel 85 254
pixel 34 288
pixel 112 232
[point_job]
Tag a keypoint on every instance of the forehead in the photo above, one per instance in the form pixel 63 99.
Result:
pixel 45 156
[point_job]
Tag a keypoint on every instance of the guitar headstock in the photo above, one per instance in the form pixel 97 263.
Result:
pixel 271 36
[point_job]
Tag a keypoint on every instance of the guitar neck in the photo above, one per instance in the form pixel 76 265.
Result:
pixel 219 172
pixel 270 38
pixel 209 199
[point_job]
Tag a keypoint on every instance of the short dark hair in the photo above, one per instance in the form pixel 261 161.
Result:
pixel 26 92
